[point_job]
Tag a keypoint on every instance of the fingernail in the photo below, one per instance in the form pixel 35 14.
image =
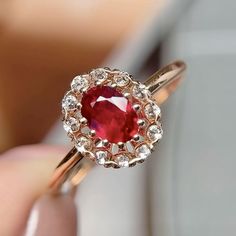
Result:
pixel 52 216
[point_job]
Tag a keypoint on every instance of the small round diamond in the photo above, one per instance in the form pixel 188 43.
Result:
pixel 99 75
pixel 122 161
pixel 140 91
pixel 79 83
pixel 82 144
pixel 101 157
pixel 69 102
pixel 154 132
pixel 152 111
pixel 78 115
pixel 122 79
pixel 71 125
pixel 143 151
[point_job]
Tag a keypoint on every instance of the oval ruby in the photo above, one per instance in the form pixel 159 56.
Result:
pixel 110 114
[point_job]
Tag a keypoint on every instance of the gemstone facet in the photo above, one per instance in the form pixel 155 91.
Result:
pixel 101 157
pixel 152 111
pixel 69 102
pixel 79 83
pixel 140 91
pixel 143 151
pixel 122 161
pixel 110 114
pixel 122 79
pixel 82 144
pixel 99 75
pixel 154 132
pixel 71 125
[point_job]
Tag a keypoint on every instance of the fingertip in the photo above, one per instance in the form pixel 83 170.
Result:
pixel 53 215
pixel 24 174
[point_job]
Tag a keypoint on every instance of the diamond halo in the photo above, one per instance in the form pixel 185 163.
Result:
pixel 85 138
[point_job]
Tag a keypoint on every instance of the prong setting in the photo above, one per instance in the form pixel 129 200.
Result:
pixel 126 94
pixel 121 145
pixel 137 107
pixel 92 133
pixel 113 85
pixel 136 137
pixel 105 142
pixel 141 123
pixel 86 139
pixel 83 121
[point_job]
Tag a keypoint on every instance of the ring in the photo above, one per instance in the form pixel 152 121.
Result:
pixel 112 120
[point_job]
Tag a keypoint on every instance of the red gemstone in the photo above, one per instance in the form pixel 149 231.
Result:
pixel 110 114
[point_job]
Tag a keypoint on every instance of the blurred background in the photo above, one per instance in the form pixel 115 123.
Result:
pixel 188 187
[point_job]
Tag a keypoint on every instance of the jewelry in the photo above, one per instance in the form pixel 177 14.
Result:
pixel 112 120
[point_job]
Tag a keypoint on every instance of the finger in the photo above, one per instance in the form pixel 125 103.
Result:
pixel 54 216
pixel 24 174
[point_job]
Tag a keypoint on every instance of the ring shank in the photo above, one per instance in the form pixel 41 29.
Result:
pixel 73 168
pixel 165 81
pixel 70 172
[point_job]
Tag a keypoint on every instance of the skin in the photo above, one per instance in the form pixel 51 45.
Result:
pixel 26 208
pixel 44 44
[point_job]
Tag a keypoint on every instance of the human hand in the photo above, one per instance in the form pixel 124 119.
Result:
pixel 24 175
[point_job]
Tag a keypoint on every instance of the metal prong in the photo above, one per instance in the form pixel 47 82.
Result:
pixel 98 83
pixel 78 106
pixel 126 95
pixel 151 146
pixel 136 137
pixel 83 121
pixel 113 85
pixel 136 107
pixel 115 70
pixel 83 90
pixel 107 68
pixel 141 123
pixel 105 142
pixel 120 144
pixel 92 133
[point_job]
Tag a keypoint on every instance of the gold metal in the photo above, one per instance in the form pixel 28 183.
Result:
pixel 73 168
pixel 162 83
pixel 70 172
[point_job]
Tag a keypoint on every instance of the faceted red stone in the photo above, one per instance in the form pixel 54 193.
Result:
pixel 110 114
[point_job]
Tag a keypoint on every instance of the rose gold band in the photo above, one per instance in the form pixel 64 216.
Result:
pixel 73 168
pixel 70 172
pixel 165 81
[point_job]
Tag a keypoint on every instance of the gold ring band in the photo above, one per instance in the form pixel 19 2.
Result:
pixel 75 165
